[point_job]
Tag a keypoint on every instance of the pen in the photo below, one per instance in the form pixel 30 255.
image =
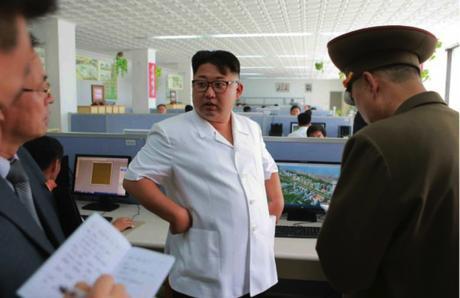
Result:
pixel 74 292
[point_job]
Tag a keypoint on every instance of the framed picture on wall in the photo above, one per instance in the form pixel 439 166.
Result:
pixel 282 87
pixel 308 87
pixel 97 94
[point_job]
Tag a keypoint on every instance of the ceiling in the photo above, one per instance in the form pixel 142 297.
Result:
pixel 300 29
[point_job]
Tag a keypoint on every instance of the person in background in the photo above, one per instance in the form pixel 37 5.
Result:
pixel 222 189
pixel 246 109
pixel 161 109
pixel 304 121
pixel 188 108
pixel 295 110
pixel 316 131
pixel 392 227
pixel 47 153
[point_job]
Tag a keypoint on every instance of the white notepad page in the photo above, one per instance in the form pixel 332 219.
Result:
pixel 96 247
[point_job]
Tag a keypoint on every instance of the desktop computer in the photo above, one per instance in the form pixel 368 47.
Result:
pixel 100 178
pixel 307 190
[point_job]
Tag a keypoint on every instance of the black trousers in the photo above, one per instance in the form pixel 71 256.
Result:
pixel 176 294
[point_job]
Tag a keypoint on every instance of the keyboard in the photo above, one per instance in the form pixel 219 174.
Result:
pixel 106 217
pixel 296 232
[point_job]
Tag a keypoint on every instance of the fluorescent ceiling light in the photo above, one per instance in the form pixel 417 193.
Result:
pixel 178 37
pixel 250 73
pixel 296 67
pixel 256 67
pixel 261 34
pixel 291 56
pixel 249 56
pixel 286 34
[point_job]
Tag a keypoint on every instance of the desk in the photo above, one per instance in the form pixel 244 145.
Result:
pixel 295 258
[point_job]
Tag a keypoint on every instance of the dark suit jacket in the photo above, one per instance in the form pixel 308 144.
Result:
pixel 23 245
pixel 392 226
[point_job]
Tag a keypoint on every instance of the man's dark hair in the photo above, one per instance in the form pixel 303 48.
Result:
pixel 314 128
pixel 45 150
pixel 246 109
pixel 304 118
pixel 188 108
pixel 10 9
pixel 223 60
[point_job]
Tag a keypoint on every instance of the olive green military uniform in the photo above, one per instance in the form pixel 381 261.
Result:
pixel 392 228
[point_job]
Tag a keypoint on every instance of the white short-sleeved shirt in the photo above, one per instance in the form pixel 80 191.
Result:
pixel 300 132
pixel 229 250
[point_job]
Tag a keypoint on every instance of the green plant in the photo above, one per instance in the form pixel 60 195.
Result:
pixel 158 73
pixel 121 64
pixel 425 75
pixel 319 66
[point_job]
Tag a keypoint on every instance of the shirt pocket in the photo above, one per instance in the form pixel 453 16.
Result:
pixel 199 254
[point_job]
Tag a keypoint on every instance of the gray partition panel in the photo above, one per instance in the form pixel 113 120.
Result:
pixel 305 150
pixel 88 123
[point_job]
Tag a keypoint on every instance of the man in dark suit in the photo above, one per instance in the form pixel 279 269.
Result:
pixel 28 236
pixel 392 226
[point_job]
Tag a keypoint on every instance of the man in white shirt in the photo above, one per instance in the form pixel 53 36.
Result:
pixel 223 193
pixel 304 121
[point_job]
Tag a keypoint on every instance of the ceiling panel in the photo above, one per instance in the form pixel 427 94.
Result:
pixel 120 25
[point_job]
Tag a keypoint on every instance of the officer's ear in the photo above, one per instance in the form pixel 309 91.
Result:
pixel 372 82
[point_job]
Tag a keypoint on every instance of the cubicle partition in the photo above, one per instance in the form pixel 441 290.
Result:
pixel 305 150
pixel 281 148
pixel 116 123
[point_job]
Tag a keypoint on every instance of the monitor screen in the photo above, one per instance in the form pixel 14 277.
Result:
pixel 308 185
pixel 294 126
pixel 100 175
pixel 323 124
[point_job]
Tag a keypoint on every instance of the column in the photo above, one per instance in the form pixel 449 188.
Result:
pixel 58 38
pixel 143 84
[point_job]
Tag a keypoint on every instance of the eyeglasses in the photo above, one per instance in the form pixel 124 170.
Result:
pixel 47 91
pixel 219 86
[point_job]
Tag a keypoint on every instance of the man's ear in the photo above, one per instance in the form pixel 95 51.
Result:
pixel 239 90
pixel 55 167
pixel 372 82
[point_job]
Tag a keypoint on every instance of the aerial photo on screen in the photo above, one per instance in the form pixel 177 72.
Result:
pixel 308 185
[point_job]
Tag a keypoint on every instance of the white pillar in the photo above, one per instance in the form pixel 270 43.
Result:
pixel 143 100
pixel 58 38
pixel 185 69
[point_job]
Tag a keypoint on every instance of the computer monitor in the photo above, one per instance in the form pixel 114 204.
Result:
pixel 294 126
pixel 307 188
pixel 323 124
pixel 100 177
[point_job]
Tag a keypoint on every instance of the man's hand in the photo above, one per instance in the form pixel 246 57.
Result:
pixel 182 221
pixel 123 223
pixel 104 287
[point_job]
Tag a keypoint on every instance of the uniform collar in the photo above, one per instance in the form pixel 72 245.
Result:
pixel 423 98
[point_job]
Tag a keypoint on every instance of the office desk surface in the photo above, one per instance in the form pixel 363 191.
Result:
pixel 151 232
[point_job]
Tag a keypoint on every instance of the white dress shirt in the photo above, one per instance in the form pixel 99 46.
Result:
pixel 300 132
pixel 229 250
